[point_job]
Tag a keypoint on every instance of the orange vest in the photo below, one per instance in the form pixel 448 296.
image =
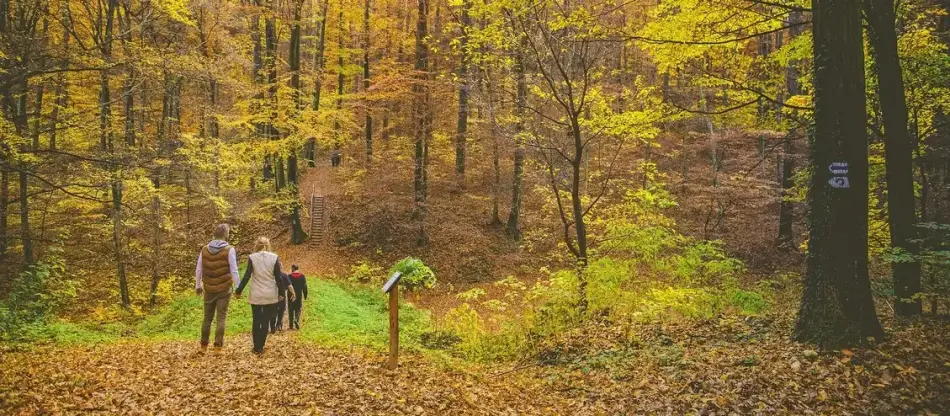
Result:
pixel 215 270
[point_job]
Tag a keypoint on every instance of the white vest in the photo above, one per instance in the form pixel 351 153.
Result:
pixel 263 285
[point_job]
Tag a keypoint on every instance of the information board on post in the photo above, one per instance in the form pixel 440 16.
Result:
pixel 392 288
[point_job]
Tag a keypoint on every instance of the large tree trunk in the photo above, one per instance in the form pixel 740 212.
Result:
pixel 837 308
pixel 898 155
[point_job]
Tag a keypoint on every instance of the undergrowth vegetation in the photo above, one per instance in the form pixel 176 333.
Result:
pixel 335 314
pixel 644 271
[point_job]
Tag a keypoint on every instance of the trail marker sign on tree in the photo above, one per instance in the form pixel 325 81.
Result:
pixel 392 287
pixel 840 179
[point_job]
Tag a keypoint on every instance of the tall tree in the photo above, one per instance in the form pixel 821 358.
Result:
pixel 792 88
pixel 319 62
pixel 898 159
pixel 297 234
pixel 337 127
pixel 270 66
pixel 461 133
pixel 837 307
pixel 513 226
pixel 421 118
pixel 368 126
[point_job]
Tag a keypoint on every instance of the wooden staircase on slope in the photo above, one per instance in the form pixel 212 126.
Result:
pixel 318 219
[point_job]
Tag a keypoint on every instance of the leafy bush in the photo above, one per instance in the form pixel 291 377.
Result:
pixel 644 271
pixel 366 272
pixel 34 297
pixel 415 274
pixel 748 302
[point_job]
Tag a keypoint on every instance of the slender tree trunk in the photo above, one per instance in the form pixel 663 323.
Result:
pixel 318 68
pixel 513 227
pixel 37 116
pixel 297 234
pixel 792 88
pixel 214 130
pixel 898 155
pixel 369 114
pixel 25 234
pixel 461 134
pixel 270 66
pixel 580 226
pixel 4 200
pixel 164 131
pixel 488 92
pixel 837 307
pixel 421 118
pixel 260 128
pixel 21 126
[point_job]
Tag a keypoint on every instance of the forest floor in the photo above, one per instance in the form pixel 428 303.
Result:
pixel 724 367
pixel 291 377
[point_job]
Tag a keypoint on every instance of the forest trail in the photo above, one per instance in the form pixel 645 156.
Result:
pixel 291 377
pixel 319 180
pixel 320 258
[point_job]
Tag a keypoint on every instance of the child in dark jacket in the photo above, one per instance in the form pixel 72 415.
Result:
pixel 277 322
pixel 299 283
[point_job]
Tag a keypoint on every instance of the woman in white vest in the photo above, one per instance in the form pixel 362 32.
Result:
pixel 263 272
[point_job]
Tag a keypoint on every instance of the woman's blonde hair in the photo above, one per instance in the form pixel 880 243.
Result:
pixel 262 244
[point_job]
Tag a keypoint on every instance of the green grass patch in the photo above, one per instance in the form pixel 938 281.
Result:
pixel 357 315
pixel 181 319
pixel 335 315
pixel 61 332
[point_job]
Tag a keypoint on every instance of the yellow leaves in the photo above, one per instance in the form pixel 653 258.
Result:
pixel 177 10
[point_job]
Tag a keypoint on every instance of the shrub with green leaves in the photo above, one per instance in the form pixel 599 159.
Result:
pixel 34 297
pixel 643 270
pixel 415 274
pixel 366 272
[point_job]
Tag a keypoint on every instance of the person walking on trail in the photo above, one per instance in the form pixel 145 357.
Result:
pixel 263 273
pixel 215 276
pixel 335 158
pixel 277 324
pixel 298 283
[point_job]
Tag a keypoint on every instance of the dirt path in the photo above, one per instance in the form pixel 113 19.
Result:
pixel 291 377
pixel 323 259
pixel 320 180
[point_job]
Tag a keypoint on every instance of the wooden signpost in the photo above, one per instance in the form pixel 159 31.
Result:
pixel 392 287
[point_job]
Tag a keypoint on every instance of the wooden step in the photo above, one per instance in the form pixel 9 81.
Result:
pixel 318 219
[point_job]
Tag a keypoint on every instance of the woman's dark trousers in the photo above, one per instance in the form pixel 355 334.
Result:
pixel 261 317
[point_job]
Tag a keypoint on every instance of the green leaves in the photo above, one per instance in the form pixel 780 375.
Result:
pixel 415 274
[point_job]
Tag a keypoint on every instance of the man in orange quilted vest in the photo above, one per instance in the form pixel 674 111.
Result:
pixel 216 276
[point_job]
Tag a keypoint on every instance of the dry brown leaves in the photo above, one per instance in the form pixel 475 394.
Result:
pixel 752 367
pixel 724 367
pixel 289 378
